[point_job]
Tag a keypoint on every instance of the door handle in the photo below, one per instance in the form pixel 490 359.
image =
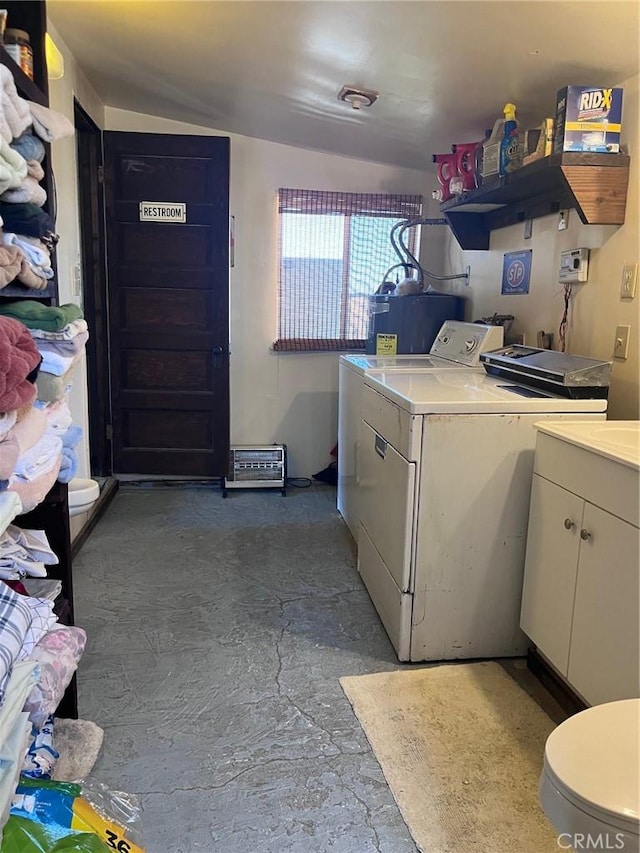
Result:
pixel 381 447
pixel 217 350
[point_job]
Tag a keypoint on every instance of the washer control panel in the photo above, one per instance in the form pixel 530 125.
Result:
pixel 463 342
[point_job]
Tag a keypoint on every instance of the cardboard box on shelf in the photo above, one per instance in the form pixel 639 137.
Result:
pixel 588 118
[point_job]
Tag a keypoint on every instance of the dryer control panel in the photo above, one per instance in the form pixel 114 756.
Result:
pixel 463 342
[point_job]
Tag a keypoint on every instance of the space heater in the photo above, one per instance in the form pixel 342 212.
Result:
pixel 260 466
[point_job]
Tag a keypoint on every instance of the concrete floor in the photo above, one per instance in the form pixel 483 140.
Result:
pixel 218 630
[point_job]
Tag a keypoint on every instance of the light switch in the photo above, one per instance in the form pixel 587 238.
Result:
pixel 621 346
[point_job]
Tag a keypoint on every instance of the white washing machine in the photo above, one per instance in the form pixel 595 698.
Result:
pixel 445 469
pixel 457 346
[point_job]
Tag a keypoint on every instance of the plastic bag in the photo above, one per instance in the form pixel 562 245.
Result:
pixel 51 817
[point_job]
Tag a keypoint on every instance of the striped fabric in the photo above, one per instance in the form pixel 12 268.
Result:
pixel 15 619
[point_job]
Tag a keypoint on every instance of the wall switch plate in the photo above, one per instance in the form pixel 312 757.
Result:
pixel 629 281
pixel 621 345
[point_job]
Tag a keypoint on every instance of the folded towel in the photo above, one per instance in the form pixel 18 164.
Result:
pixel 30 277
pixel 25 553
pixel 57 364
pixel 28 191
pixel 29 146
pixel 35 542
pixel 13 167
pixel 9 453
pixel 11 258
pixel 64 348
pixel 19 357
pixel 34 250
pixel 51 388
pixel 39 459
pixel 46 318
pixel 33 492
pixel 34 169
pixel 29 430
pixel 58 417
pixel 15 115
pixel 48 124
pixel 15 618
pixel 7 423
pixel 67 333
pixel 26 219
pixel 10 506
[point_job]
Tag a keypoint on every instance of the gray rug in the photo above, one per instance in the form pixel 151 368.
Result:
pixel 461 748
pixel 79 743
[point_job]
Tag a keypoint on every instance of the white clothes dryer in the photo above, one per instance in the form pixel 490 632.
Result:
pixel 445 470
pixel 457 347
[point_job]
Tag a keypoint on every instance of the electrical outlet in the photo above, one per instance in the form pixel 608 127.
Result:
pixel 629 281
pixel 621 345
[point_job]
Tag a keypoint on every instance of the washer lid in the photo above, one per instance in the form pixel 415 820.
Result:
pixel 466 392
pixel 595 757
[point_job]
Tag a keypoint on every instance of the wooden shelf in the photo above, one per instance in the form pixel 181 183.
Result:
pixel 593 184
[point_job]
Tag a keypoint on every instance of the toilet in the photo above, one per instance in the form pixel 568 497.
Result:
pixel 83 493
pixel 590 783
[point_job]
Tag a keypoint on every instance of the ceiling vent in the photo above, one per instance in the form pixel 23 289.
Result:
pixel 357 97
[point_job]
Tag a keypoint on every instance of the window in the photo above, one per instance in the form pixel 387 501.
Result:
pixel 334 251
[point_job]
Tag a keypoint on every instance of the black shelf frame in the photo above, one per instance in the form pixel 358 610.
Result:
pixel 593 184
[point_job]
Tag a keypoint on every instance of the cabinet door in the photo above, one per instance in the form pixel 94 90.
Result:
pixel 604 662
pixel 550 569
pixel 386 485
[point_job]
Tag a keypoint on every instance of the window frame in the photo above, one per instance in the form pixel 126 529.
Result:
pixel 399 206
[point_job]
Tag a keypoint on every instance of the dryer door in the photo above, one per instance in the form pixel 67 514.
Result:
pixel 386 494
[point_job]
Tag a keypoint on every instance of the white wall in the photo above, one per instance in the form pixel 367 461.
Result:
pixel 276 397
pixel 64 162
pixel 596 307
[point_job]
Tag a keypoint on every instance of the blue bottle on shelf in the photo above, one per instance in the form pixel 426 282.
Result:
pixel 510 145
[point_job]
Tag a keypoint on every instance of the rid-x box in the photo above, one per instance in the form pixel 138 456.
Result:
pixel 588 118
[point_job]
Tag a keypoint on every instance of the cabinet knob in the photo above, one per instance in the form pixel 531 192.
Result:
pixel 584 534
pixel 568 523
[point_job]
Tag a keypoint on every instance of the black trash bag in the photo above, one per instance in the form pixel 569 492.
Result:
pixel 328 475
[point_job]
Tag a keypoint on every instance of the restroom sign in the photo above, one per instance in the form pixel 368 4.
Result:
pixel 163 211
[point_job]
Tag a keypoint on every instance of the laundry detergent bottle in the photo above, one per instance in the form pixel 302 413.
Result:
pixel 510 144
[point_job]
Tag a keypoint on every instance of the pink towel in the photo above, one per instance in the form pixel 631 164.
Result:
pixel 18 358
pixel 29 429
pixel 34 492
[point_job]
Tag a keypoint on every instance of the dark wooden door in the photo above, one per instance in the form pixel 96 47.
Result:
pixel 168 286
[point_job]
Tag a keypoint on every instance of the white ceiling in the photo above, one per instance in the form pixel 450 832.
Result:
pixel 273 68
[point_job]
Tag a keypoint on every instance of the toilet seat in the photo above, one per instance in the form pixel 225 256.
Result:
pixel 593 761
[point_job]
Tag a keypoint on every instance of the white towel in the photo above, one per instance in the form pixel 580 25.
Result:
pixel 68 333
pixel 53 362
pixel 58 417
pixel 29 192
pixel 15 115
pixel 10 506
pixel 48 124
pixel 13 166
pixel 39 459
pixel 36 255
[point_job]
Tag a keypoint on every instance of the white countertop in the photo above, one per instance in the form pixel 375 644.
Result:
pixel 616 440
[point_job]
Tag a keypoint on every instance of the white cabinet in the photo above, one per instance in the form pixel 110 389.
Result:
pixel 581 593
